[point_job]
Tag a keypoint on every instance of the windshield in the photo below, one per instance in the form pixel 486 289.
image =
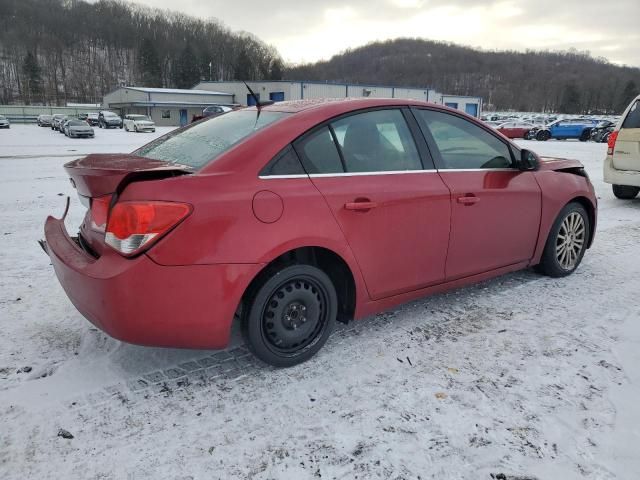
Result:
pixel 109 114
pixel 204 141
pixel 138 117
pixel 77 123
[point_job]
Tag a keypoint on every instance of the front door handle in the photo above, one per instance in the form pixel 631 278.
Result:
pixel 361 206
pixel 468 200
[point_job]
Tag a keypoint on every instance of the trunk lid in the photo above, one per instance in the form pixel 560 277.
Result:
pixel 101 174
pixel 99 177
pixel 626 154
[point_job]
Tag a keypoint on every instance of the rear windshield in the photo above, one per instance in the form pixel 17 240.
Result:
pixel 204 141
pixel 633 117
pixel 77 123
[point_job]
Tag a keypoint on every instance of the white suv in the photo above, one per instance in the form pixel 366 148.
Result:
pixel 138 123
pixel 622 165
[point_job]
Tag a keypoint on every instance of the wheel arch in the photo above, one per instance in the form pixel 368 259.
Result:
pixel 327 260
pixel 591 211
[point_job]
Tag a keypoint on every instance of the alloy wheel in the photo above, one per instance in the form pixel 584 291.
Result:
pixel 570 240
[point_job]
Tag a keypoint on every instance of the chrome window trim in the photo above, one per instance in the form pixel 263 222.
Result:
pixel 389 172
pixel 442 170
pixel 346 174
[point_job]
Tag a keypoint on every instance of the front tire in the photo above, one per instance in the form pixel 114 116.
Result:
pixel 566 243
pixel 625 192
pixel 543 136
pixel 290 315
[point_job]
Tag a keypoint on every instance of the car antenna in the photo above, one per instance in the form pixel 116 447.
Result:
pixel 256 99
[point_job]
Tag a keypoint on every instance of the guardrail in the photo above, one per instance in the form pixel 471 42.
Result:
pixel 29 113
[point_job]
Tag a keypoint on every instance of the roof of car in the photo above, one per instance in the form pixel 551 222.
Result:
pixel 293 106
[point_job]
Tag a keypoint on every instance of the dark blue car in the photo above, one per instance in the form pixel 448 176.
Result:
pixel 578 128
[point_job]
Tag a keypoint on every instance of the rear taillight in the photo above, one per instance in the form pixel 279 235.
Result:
pixel 99 212
pixel 134 226
pixel 611 143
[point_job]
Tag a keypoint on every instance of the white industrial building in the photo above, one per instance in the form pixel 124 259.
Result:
pixel 165 106
pixel 292 90
pixel 170 106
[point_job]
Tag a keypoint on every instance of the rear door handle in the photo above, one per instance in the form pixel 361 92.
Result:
pixel 360 206
pixel 468 200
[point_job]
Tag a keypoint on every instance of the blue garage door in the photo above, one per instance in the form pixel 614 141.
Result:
pixel 183 117
pixel 250 100
pixel 451 105
pixel 276 96
pixel 471 109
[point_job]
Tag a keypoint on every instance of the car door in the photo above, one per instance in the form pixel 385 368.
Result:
pixel 495 208
pixel 393 211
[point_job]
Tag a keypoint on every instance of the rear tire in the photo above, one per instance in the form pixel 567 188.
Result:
pixel 625 192
pixel 289 315
pixel 566 243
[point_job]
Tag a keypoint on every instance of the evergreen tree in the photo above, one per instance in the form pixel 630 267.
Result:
pixel 276 70
pixel 149 63
pixel 187 72
pixel 243 66
pixel 629 93
pixel 32 78
pixel 570 102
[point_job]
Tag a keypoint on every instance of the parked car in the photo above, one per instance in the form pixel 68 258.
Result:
pixel 92 119
pixel 55 123
pixel 515 129
pixel 44 120
pixel 600 133
pixel 215 110
pixel 107 119
pixel 138 123
pixel 63 123
pixel 576 128
pixel 4 122
pixel 302 214
pixel 622 164
pixel 78 128
pixel 83 116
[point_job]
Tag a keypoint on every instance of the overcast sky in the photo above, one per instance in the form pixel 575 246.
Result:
pixel 305 30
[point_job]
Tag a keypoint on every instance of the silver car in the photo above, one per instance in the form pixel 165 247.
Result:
pixel 78 128
pixel 4 122
pixel 139 123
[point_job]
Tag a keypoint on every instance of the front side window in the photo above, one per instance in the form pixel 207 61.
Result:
pixel 376 141
pixel 202 142
pixel 462 144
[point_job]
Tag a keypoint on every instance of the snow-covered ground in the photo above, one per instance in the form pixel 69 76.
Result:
pixel 525 376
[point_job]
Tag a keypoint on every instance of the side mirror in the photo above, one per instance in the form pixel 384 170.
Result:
pixel 528 160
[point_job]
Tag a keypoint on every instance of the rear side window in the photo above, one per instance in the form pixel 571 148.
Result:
pixel 319 152
pixel 376 141
pixel 284 163
pixel 633 117
pixel 202 142
pixel 462 144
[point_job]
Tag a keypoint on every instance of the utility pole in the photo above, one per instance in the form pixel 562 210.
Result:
pixel 210 70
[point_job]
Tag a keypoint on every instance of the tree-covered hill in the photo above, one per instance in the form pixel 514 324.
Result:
pixel 58 51
pixel 570 82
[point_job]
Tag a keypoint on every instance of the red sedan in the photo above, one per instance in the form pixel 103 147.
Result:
pixel 515 129
pixel 306 213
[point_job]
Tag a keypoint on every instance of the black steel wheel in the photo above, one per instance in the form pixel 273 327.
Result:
pixel 290 315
